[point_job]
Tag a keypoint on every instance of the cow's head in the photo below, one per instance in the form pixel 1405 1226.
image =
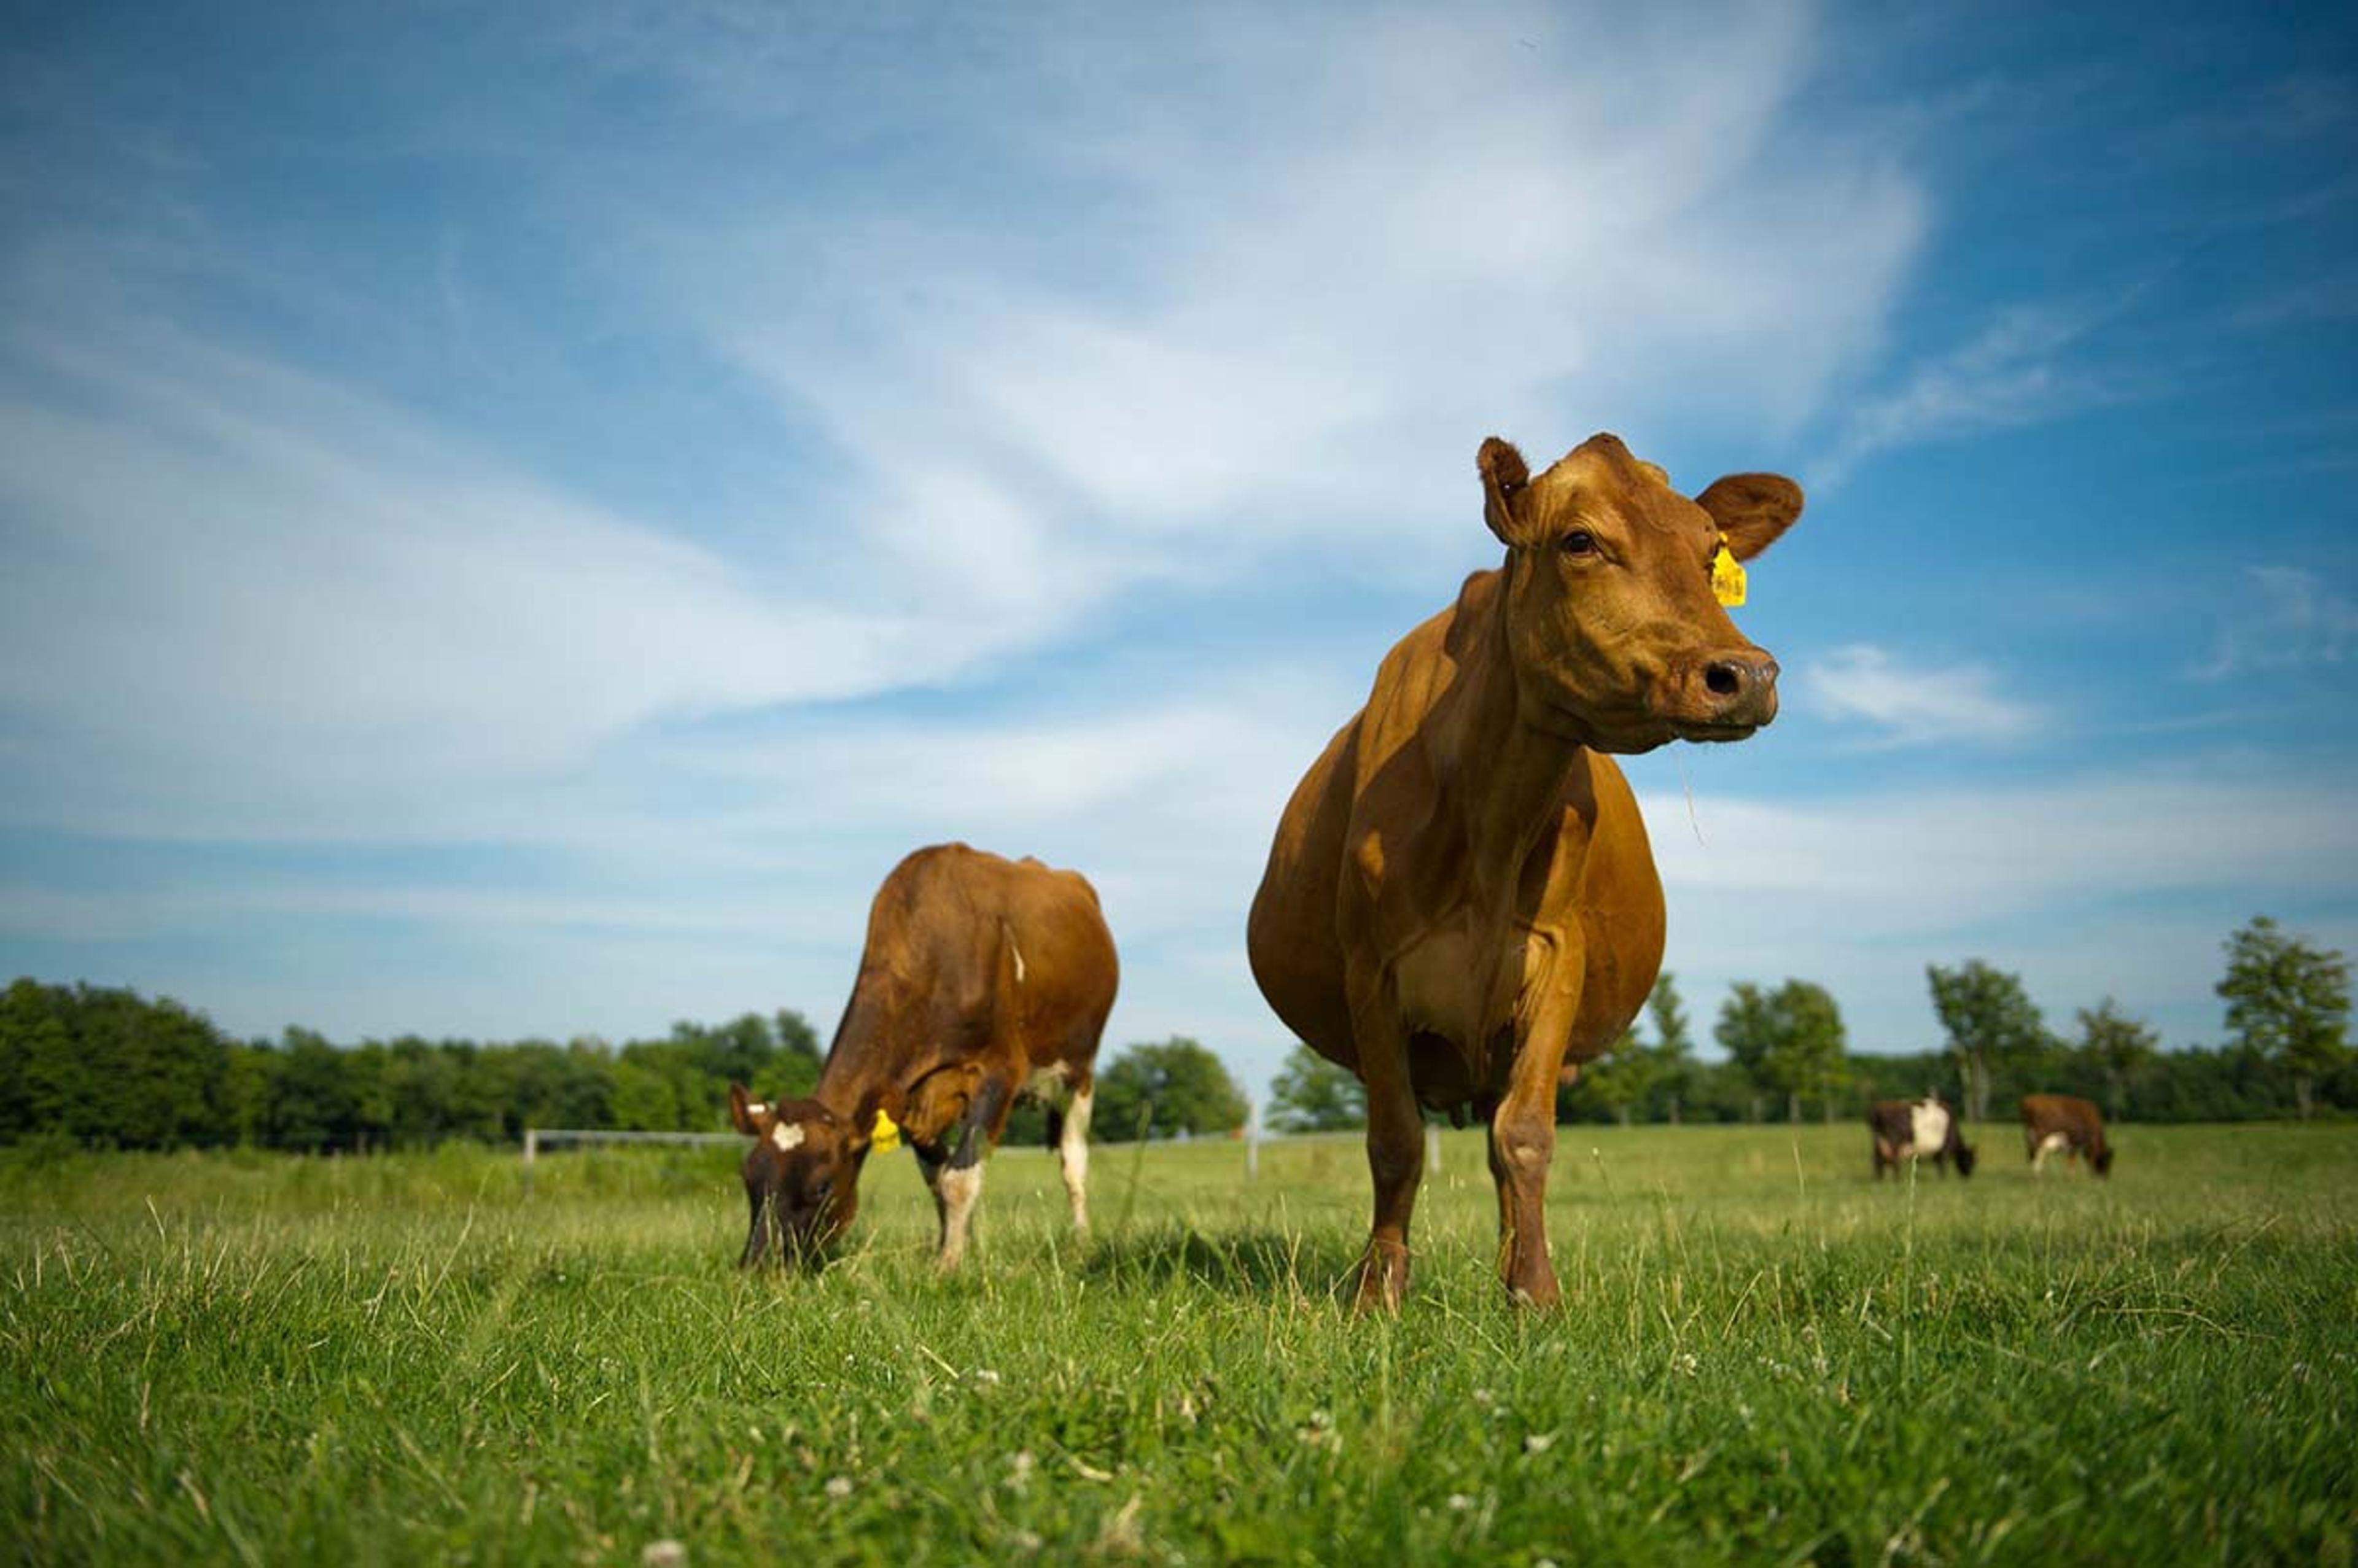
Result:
pixel 801 1176
pixel 1617 639
pixel 1965 1158
pixel 2100 1161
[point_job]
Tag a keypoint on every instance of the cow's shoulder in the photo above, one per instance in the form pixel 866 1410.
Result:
pixel 1420 670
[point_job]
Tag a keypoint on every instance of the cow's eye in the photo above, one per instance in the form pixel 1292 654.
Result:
pixel 1579 542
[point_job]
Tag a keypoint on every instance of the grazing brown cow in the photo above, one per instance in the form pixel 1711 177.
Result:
pixel 982 978
pixel 2075 1126
pixel 1917 1129
pixel 1461 898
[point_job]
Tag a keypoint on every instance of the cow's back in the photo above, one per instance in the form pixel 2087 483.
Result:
pixel 962 944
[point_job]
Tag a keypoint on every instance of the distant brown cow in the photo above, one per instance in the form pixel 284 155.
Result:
pixel 1461 897
pixel 981 978
pixel 2053 1122
pixel 1917 1129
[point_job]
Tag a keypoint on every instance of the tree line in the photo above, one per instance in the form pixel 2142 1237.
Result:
pixel 106 1067
pixel 1788 1053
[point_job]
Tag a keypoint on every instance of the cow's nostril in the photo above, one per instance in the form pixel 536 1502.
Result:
pixel 1722 679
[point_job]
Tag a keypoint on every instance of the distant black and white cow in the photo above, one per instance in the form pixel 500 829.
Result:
pixel 2067 1125
pixel 1917 1129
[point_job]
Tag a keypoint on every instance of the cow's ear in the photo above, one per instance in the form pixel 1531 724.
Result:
pixel 748 1115
pixel 1752 509
pixel 1506 487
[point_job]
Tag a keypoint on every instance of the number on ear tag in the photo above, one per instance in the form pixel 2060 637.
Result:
pixel 1726 577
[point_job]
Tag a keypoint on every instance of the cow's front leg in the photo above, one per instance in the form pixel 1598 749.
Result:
pixel 959 1186
pixel 1395 1149
pixel 1523 1145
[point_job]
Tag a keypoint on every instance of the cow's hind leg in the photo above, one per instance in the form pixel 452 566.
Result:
pixel 1395 1151
pixel 1073 1154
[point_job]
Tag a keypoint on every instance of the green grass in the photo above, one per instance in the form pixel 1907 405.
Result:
pixel 1762 1357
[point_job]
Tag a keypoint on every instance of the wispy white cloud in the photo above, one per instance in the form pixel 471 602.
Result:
pixel 1447 229
pixel 259 586
pixel 1911 705
pixel 2017 371
pixel 2291 619
pixel 1305 299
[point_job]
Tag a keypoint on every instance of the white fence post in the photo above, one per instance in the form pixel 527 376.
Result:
pixel 530 1150
pixel 1252 1141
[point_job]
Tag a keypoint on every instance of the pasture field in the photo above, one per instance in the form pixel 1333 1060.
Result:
pixel 1762 1357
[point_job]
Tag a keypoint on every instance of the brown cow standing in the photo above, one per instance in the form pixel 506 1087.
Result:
pixel 2052 1122
pixel 982 978
pixel 1926 1129
pixel 1461 896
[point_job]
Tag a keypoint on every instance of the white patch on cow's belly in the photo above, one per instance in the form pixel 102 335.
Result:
pixel 1928 1126
pixel 787 1135
pixel 2054 1143
pixel 1043 1080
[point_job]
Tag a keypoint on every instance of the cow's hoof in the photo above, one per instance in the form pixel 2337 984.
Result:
pixel 1381 1287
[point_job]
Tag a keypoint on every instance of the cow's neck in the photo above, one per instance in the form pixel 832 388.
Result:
pixel 872 1062
pixel 1509 781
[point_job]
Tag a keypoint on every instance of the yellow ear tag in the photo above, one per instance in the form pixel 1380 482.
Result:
pixel 1726 577
pixel 886 1136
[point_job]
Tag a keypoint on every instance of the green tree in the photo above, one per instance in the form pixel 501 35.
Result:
pixel 243 1097
pixel 2288 1002
pixel 1310 1094
pixel 1168 1088
pixel 311 1106
pixel 1807 1041
pixel 1748 1031
pixel 1674 1063
pixel 646 1096
pixel 2117 1047
pixel 1990 1022
pixel 797 1038
pixel 1622 1077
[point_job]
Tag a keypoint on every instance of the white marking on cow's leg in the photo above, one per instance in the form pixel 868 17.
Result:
pixel 1019 958
pixel 1072 1152
pixel 959 1188
pixel 2048 1145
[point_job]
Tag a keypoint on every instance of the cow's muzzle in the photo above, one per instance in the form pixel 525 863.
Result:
pixel 1734 695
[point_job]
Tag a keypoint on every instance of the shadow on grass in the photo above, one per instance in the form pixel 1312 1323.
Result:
pixel 1254 1262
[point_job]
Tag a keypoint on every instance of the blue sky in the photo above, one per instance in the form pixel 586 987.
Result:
pixel 513 519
